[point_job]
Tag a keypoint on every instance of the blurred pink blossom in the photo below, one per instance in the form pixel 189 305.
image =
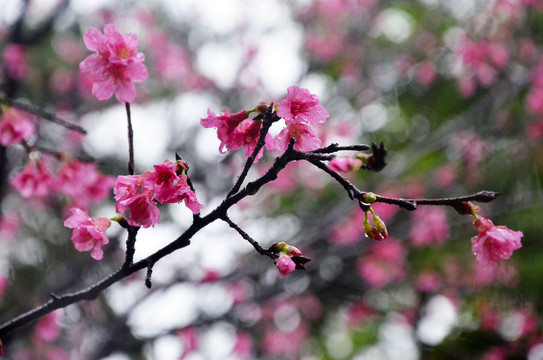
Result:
pixel 47 328
pixel 345 164
pixel 429 226
pixel 15 127
pixel 243 347
pixel 32 180
pixel 190 338
pixel 88 232
pixel 383 263
pixel 83 183
pixel 278 343
pixel 14 61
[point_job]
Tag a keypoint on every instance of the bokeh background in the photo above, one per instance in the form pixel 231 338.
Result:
pixel 454 89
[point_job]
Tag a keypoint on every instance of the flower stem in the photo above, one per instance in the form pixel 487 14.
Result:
pixel 130 140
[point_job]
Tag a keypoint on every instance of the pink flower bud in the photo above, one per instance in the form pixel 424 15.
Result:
pixel 285 265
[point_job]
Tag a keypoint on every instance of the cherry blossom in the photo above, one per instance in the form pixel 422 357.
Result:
pixel 143 210
pixel 116 65
pixel 306 140
pixel 14 127
pixel 494 242
pixel 83 183
pixel 226 125
pixel 301 106
pixel 345 164
pixel 33 180
pixel 430 226
pixel 285 265
pixel 88 232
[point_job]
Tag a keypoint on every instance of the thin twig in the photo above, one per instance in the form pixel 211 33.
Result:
pixel 130 140
pixel 269 118
pixel 44 114
pixel 247 237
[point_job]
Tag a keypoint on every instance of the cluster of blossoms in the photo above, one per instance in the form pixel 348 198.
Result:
pixel 299 110
pixel 15 127
pixel 81 183
pixel 167 184
pixel 135 194
pixel 116 65
pixel 482 60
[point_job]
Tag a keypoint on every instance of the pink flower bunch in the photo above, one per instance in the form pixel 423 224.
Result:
pixel 236 131
pixel 14 61
pixel 494 242
pixel 116 65
pixel 82 183
pixel 430 226
pixel 383 263
pixel 299 110
pixel 33 180
pixel 88 232
pixel 136 193
pixel 482 59
pixel 345 164
pixel 14 126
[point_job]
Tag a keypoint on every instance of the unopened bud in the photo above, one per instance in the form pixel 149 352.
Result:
pixel 370 198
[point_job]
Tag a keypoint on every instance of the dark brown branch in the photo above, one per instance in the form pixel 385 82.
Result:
pixel 268 119
pixel 130 140
pixel 247 237
pixel 332 148
pixel 43 114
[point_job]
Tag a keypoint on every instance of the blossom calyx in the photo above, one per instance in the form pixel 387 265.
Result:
pixel 466 208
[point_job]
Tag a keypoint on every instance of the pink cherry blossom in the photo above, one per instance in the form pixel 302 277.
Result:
pixel 172 188
pixel 226 125
pixel 306 140
pixel 285 265
pixel 47 328
pixel 116 65
pixel 14 127
pixel 243 346
pixel 88 232
pixel 247 135
pixel 383 263
pixel 143 210
pixel 83 183
pixel 33 181
pixel 9 225
pixel 345 164
pixel 127 186
pixel 494 242
pixel 429 227
pixel 14 61
pixel 301 106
